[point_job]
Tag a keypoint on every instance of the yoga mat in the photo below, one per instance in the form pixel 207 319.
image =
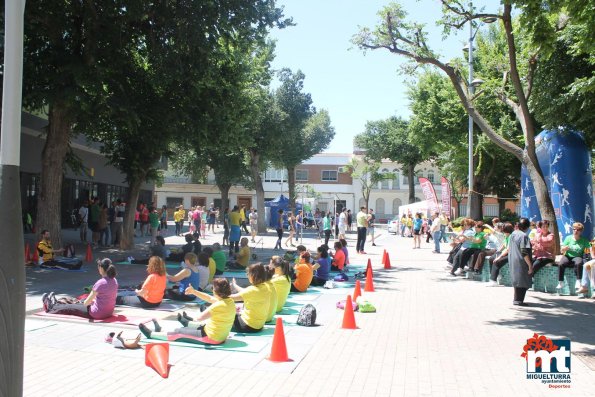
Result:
pixel 168 265
pixel 64 270
pixel 231 344
pixel 116 319
pixel 163 307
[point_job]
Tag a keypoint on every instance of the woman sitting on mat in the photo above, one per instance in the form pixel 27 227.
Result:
pixel 321 275
pixel 151 293
pixel 345 250
pixel 281 280
pixel 304 272
pixel 256 301
pixel 100 302
pixel 338 262
pixel 212 326
pixel 269 272
pixel 188 276
pixel 158 249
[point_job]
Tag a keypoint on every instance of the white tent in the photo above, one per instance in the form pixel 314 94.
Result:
pixel 421 206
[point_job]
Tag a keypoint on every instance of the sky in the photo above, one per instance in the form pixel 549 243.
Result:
pixel 354 87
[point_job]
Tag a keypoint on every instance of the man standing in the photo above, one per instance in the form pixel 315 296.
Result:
pixel 342 223
pixel 84 219
pixel 116 225
pixel 435 232
pixel 179 217
pixel 362 228
pixel 94 211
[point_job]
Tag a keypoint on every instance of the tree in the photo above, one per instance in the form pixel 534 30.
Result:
pixel 390 139
pixel 365 171
pixel 306 132
pixel 403 38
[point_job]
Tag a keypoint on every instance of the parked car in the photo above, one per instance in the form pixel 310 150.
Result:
pixel 393 225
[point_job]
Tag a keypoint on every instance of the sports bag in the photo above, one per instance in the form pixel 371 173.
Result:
pixel 307 316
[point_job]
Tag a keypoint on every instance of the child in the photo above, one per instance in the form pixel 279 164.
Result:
pixel 242 257
pixel 218 318
pixel 187 277
pixel 281 280
pixel 339 259
pixel 256 301
pixel 269 272
pixel 212 264
pixel 219 258
pixel 203 270
pixel 151 293
pixel 303 274
pixel 322 273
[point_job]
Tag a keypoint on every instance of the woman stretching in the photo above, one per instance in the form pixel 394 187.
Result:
pixel 100 302
pixel 188 276
pixel 256 301
pixel 281 280
pixel 214 323
pixel 151 293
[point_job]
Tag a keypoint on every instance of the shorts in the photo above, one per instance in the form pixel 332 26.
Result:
pixel 341 229
pixel 417 232
pixel 211 221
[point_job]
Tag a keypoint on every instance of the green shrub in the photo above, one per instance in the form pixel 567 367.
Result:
pixel 509 216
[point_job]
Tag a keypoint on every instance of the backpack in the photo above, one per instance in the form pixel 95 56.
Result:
pixel 307 316
pixel 341 277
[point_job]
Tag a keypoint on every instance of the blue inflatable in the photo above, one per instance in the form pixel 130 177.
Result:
pixel 565 161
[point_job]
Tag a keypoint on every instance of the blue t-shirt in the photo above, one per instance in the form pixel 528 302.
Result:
pixel 417 222
pixel 324 269
pixel 193 279
pixel 468 233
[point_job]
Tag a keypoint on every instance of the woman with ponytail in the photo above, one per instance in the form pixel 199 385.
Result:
pixel 100 302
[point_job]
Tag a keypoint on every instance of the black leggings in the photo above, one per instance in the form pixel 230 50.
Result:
pixel 462 257
pixel 496 265
pixel 72 309
pixel 234 246
pixel 135 301
pixel 576 262
pixel 197 332
pixel 540 263
pixel 177 295
pixel 240 326
pixel 279 238
pixel 317 281
pixel 327 236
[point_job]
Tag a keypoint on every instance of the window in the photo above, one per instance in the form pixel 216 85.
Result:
pixel 431 176
pixel 405 180
pixel 396 204
pixel 384 182
pixel 380 206
pixel 396 180
pixel 301 175
pixel 329 176
pixel 274 175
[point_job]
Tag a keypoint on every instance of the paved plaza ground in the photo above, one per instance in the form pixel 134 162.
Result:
pixel 432 335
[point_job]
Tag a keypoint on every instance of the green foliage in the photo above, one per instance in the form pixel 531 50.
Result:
pixel 509 216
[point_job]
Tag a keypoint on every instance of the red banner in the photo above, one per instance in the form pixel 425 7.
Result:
pixel 445 197
pixel 429 193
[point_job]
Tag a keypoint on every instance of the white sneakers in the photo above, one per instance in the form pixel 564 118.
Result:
pixel 560 285
pixel 577 284
pixel 460 272
pixel 491 283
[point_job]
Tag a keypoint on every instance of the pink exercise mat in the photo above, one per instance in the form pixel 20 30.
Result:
pixel 117 318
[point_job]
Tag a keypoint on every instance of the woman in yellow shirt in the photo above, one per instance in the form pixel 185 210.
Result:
pixel 212 326
pixel 256 300
pixel 281 280
pixel 269 272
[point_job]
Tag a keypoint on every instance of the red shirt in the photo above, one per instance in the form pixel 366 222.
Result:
pixel 339 260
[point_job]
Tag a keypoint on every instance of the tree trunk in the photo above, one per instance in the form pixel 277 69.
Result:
pixel 291 188
pixel 57 145
pixel 224 189
pixel 410 179
pixel 476 201
pixel 127 240
pixel 255 170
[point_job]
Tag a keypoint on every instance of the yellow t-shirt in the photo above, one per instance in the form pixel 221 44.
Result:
pixel 234 218
pixel 179 215
pixel 282 287
pixel 223 313
pixel 256 305
pixel 46 250
pixel 272 300
pixel 244 256
pixel 242 215
pixel 212 268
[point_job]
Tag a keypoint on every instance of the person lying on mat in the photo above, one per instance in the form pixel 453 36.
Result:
pixel 188 276
pixel 151 293
pixel 256 301
pixel 210 326
pixel 338 262
pixel 304 271
pixel 100 302
pixel 281 279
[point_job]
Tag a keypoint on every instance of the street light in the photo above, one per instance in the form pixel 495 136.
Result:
pixel 472 84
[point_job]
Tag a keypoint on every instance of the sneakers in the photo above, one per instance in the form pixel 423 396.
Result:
pixel 560 285
pixel 577 284
pixel 460 272
pixel 491 283
pixel 44 300
pixel 130 259
pixel 517 303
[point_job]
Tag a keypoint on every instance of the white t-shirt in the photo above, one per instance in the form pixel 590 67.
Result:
pixel 342 219
pixel 84 214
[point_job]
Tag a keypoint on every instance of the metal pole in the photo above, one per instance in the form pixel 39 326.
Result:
pixel 471 92
pixel 12 269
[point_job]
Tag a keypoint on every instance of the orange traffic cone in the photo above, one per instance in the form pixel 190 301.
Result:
pixel 27 253
pixel 369 281
pixel 357 291
pixel 387 262
pixel 35 257
pixel 278 348
pixel 348 316
pixel 157 357
pixel 384 258
pixel 89 256
pixel 369 266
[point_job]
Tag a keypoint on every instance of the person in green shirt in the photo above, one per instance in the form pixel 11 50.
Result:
pixel 153 223
pixel 219 258
pixel 327 227
pixel 573 249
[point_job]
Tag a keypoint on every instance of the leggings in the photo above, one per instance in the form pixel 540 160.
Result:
pixel 197 332
pixel 496 265
pixel 540 263
pixel 318 281
pixel 462 257
pixel 576 262
pixel 327 236
pixel 279 238
pixel 234 246
pixel 177 295
pixel 240 326
pixel 135 301
pixel 72 309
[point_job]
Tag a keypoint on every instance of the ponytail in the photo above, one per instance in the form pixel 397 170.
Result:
pixel 107 266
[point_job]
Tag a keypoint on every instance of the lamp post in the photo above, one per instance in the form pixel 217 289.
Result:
pixel 472 83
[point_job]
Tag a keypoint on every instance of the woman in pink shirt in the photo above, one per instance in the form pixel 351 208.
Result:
pixel 542 246
pixel 100 302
